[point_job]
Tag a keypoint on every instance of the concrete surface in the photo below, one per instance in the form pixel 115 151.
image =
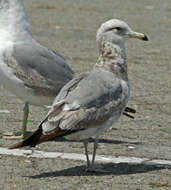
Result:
pixel 70 28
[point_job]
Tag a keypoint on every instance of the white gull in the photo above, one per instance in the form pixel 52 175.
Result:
pixel 32 72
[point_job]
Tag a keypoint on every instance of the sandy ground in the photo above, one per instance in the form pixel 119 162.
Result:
pixel 70 28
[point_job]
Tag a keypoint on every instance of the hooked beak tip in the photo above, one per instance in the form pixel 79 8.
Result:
pixel 138 35
pixel 145 38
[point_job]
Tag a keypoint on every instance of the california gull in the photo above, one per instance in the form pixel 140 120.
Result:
pixel 29 70
pixel 90 103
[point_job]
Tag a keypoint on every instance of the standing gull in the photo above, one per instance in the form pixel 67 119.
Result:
pixel 32 72
pixel 90 103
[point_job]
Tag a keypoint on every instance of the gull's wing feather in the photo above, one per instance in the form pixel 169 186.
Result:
pixel 94 99
pixel 39 67
pixel 89 101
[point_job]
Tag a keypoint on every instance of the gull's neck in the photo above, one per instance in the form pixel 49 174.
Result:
pixel 14 25
pixel 112 57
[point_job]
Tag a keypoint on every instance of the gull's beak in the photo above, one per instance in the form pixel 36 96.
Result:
pixel 138 35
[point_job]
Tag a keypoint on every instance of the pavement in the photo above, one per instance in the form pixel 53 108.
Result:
pixel 69 27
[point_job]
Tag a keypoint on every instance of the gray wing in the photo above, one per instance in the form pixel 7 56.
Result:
pixel 39 67
pixel 92 100
pixel 69 87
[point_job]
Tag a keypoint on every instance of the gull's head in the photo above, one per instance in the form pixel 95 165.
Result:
pixel 117 31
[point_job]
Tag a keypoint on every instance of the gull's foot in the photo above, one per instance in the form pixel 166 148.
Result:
pixel 96 169
pixel 12 136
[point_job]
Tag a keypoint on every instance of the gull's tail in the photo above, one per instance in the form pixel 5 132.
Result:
pixel 38 137
pixel 30 141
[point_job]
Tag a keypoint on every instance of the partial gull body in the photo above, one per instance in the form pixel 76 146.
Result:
pixel 32 72
pixel 90 103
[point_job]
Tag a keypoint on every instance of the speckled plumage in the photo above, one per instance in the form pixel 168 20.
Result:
pixel 90 103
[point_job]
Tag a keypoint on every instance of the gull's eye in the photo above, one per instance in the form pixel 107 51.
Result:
pixel 115 28
pixel 118 28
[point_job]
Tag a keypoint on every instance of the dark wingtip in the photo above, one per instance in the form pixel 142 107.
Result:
pixel 145 38
pixel 31 141
pixel 131 110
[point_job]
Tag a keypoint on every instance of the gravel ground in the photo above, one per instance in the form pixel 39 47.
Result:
pixel 70 28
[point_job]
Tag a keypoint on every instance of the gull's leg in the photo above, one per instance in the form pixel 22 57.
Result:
pixel 25 117
pixel 94 151
pixel 86 153
pixel 24 125
pixel 91 167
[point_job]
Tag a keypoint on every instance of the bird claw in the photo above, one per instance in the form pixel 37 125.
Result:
pixel 12 136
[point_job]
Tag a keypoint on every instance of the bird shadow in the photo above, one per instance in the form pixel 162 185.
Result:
pixel 110 168
pixel 100 140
